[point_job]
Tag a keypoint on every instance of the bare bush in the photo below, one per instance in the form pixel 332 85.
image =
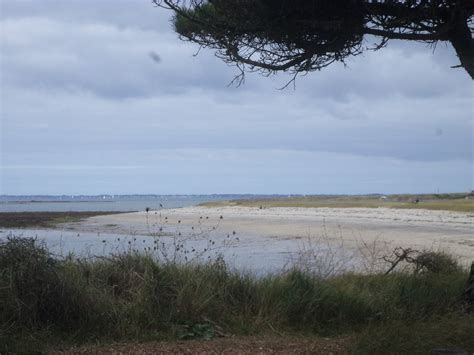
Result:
pixel 425 261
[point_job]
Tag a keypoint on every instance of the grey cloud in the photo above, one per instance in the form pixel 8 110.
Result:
pixel 195 120
pixel 98 57
pixel 102 59
pixel 389 72
pixel 79 89
pixel 138 14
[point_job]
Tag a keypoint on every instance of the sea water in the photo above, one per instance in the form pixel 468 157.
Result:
pixel 244 255
pixel 251 253
pixel 125 203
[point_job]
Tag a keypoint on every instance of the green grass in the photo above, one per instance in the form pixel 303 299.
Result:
pixel 46 303
pixel 448 202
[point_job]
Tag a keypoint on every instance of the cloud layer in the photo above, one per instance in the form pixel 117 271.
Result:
pixel 96 101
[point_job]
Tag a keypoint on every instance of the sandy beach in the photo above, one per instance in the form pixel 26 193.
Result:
pixel 374 228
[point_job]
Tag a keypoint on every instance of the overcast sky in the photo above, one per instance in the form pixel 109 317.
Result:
pixel 102 97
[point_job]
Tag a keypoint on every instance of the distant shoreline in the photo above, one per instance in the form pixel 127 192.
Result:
pixel 455 202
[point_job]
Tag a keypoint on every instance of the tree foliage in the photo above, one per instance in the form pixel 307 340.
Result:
pixel 300 36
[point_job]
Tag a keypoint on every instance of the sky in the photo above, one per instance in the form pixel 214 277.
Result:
pixel 101 97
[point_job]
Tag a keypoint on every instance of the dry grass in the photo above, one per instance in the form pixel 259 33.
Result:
pixel 448 202
pixel 262 344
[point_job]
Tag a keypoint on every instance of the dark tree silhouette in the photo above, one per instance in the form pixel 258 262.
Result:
pixel 300 36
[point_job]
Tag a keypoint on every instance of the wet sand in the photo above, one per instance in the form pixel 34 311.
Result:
pixel 380 229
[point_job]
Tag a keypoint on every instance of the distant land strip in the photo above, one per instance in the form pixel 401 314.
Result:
pixel 456 202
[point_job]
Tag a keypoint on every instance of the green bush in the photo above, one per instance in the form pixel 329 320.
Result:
pixel 134 296
pixel 38 291
pixel 436 262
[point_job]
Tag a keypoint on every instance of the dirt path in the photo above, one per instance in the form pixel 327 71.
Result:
pixel 231 345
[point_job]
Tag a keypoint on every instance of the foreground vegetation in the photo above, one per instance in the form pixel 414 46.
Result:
pixel 458 202
pixel 45 219
pixel 47 303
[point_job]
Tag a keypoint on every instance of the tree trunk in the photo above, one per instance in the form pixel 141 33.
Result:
pixel 469 292
pixel 462 41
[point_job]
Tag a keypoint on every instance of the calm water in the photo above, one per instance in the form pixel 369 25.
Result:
pixel 251 253
pixel 248 254
pixel 259 256
pixel 126 203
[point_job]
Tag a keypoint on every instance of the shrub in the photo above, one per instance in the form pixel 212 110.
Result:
pixel 135 296
pixel 436 262
pixel 36 292
pixel 29 282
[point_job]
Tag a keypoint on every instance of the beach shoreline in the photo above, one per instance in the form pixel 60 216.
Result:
pixel 419 229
